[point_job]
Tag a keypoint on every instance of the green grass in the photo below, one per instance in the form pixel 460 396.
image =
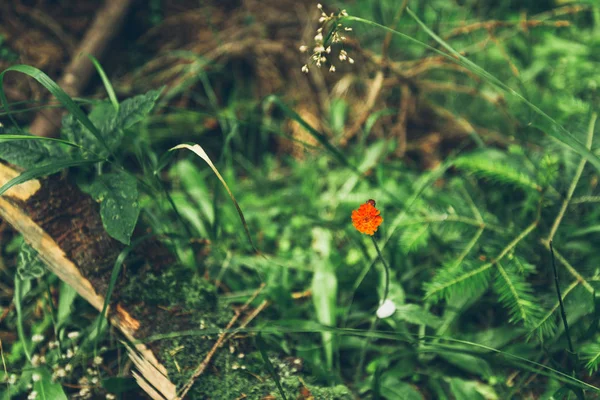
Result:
pixel 467 241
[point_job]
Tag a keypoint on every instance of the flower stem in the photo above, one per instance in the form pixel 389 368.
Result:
pixel 386 270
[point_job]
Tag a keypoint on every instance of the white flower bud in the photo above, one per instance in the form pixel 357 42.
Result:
pixel 386 309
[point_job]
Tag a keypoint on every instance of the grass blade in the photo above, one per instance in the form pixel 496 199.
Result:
pixel 56 91
pixel 262 347
pixel 45 170
pixel 196 148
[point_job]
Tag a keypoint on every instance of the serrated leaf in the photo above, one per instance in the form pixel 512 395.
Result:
pixel 110 122
pixel 497 167
pixel 119 208
pixel 29 266
pixel 516 294
pixel 135 109
pixel 466 280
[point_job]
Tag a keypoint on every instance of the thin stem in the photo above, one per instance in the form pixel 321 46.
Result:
pixel 560 301
pixel 386 270
pixel 575 181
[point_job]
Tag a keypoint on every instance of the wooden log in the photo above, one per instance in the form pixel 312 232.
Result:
pixel 63 225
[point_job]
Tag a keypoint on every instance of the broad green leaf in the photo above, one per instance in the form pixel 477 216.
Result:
pixel 465 390
pixel 46 388
pixel 324 288
pixel 392 388
pixel 29 266
pixel 119 208
pixel 31 152
pixel 135 109
pixel 22 287
pixel 416 314
pixel 468 362
pixel 110 121
pixel 65 302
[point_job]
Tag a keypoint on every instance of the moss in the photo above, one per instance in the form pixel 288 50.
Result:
pixel 189 304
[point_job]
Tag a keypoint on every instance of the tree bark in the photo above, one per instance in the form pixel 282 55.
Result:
pixel 64 226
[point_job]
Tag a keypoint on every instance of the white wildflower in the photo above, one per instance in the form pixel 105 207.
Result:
pixel 37 338
pixel 35 360
pixel 303 48
pixel 351 60
pixel 98 360
pixel 319 37
pixel 73 335
pixel 32 395
pixel 36 377
pixel 60 373
pixel 110 396
pixel 386 309
pixel 347 29
pixel 332 68
pixel 319 6
pixel 68 367
pixel 70 353
pixel 305 69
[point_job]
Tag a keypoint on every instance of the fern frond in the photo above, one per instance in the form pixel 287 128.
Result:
pixel 487 166
pixel 547 326
pixel 462 279
pixel 414 237
pixel 516 294
pixel 591 354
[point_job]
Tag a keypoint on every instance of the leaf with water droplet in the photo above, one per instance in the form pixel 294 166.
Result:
pixel 117 194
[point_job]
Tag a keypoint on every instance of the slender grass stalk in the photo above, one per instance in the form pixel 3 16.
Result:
pixel 563 314
pixel 386 270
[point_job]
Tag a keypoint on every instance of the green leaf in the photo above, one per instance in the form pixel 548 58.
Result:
pixel 29 266
pixel 496 167
pixel 465 390
pixel 119 208
pixel 392 388
pixel 324 288
pixel 466 280
pixel 30 152
pixel 415 314
pixel 137 108
pixel 45 170
pixel 516 294
pixel 65 302
pixel 467 362
pixel 110 122
pixel 53 88
pixel 46 388
pixel 262 347
pixel 414 237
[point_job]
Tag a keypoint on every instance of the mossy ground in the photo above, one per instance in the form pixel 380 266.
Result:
pixel 187 303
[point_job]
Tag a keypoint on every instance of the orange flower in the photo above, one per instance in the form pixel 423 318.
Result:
pixel 366 219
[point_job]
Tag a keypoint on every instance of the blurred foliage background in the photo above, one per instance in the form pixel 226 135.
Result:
pixel 471 181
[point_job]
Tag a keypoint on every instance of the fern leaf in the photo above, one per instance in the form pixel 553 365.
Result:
pixel 414 238
pixel 463 279
pixel 591 354
pixel 516 295
pixel 487 165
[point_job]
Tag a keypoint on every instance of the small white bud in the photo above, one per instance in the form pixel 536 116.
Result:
pixel 305 69
pixel 319 37
pixel 36 377
pixel 319 6
pixel 332 68
pixel 328 49
pixel 386 309
pixel 98 360
pixel 303 48
pixel 351 60
pixel 348 29
pixel 73 335
pixel 37 338
pixel 32 395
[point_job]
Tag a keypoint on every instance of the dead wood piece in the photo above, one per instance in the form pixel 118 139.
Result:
pixel 106 24
pixel 26 208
